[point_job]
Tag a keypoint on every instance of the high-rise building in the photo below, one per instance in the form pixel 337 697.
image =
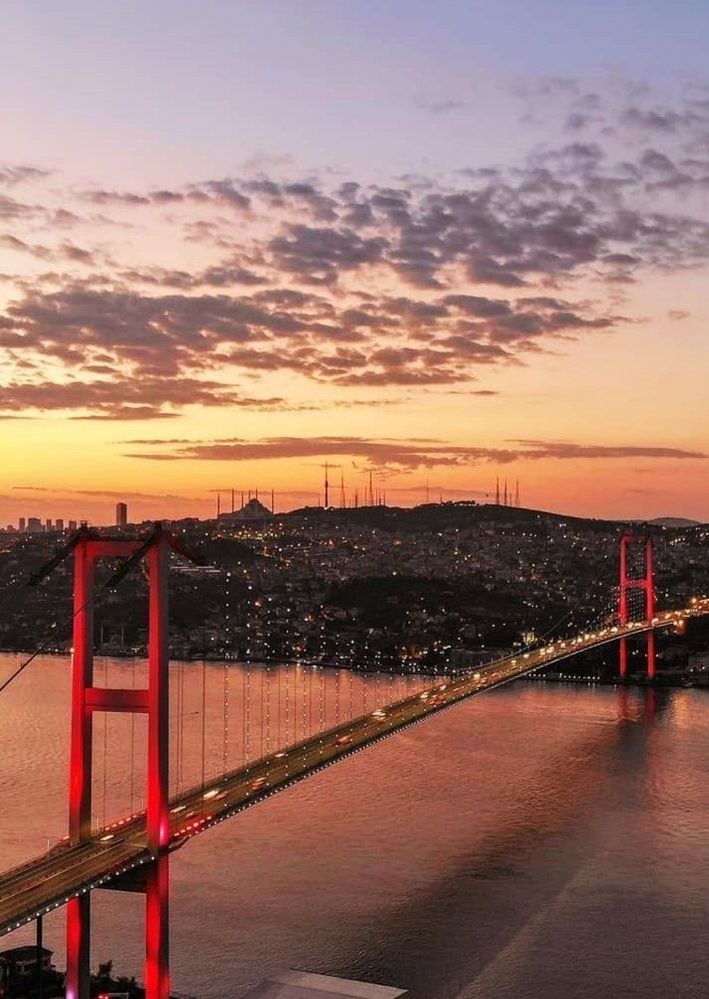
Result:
pixel 49 524
pixel 34 525
pixel 21 524
pixel 72 525
pixel 59 524
pixel 121 514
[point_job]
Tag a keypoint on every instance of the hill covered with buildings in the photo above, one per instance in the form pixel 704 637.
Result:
pixel 433 587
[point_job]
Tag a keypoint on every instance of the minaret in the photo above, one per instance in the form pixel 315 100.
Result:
pixel 497 491
pixel 428 494
pixel 342 490
pixel 219 504
pixel 371 489
pixel 273 501
pixel 327 489
pixel 517 493
pixel 504 502
pixel 232 501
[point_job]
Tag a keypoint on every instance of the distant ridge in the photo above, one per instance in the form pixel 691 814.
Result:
pixel 674 522
pixel 464 512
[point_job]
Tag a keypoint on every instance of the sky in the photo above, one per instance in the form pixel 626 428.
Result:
pixel 446 244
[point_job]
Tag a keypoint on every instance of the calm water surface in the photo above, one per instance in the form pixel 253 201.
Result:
pixel 538 841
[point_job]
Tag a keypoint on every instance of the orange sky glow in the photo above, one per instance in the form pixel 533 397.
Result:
pixel 532 312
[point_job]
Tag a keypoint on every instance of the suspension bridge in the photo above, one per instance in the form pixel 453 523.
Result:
pixel 132 854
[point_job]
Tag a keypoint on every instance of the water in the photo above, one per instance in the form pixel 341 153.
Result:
pixel 540 840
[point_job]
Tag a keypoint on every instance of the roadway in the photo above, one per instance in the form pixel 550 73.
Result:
pixel 64 872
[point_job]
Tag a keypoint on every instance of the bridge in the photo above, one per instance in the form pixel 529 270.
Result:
pixel 132 854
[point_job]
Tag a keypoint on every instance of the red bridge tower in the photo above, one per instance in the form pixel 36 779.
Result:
pixel 646 583
pixel 153 701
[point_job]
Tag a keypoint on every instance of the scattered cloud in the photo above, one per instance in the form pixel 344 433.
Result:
pixel 398 455
pixel 421 282
pixel 12 175
pixel 443 106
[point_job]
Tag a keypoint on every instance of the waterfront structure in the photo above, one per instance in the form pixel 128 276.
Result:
pixel 22 961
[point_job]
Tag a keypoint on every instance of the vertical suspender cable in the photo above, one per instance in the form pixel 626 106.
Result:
pixel 287 726
pixel 247 716
pixel 204 721
pixel 105 747
pixel 132 744
pixel 268 709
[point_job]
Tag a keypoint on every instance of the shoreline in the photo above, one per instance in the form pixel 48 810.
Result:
pixel 663 680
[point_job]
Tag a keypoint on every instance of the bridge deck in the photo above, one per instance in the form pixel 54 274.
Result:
pixel 66 871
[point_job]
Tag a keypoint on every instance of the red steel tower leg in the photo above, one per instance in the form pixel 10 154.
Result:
pixel 623 659
pixel 155 701
pixel 623 608
pixel 650 605
pixel 157 972
pixel 646 583
pixel 79 909
pixel 157 952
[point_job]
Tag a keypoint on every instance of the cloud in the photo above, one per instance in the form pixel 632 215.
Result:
pixel 11 175
pixel 110 493
pixel 319 255
pixel 556 449
pixel 390 341
pixel 65 250
pixel 657 120
pixel 444 106
pixel 19 245
pixel 399 455
pixel 222 192
pixel 423 281
pixel 118 399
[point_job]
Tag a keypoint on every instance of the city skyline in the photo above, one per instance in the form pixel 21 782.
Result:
pixel 285 238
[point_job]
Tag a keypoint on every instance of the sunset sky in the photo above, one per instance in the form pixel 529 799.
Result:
pixel 445 242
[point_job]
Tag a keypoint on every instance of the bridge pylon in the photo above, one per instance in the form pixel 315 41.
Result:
pixel 153 701
pixel 646 584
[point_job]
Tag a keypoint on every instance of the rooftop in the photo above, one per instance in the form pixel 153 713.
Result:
pixel 304 985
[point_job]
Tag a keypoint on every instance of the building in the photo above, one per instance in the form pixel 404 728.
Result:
pixel 59 524
pixel 34 525
pixel 21 524
pixel 252 512
pixel 22 961
pixel 303 985
pixel 121 514
pixel 18 972
pixel 72 525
